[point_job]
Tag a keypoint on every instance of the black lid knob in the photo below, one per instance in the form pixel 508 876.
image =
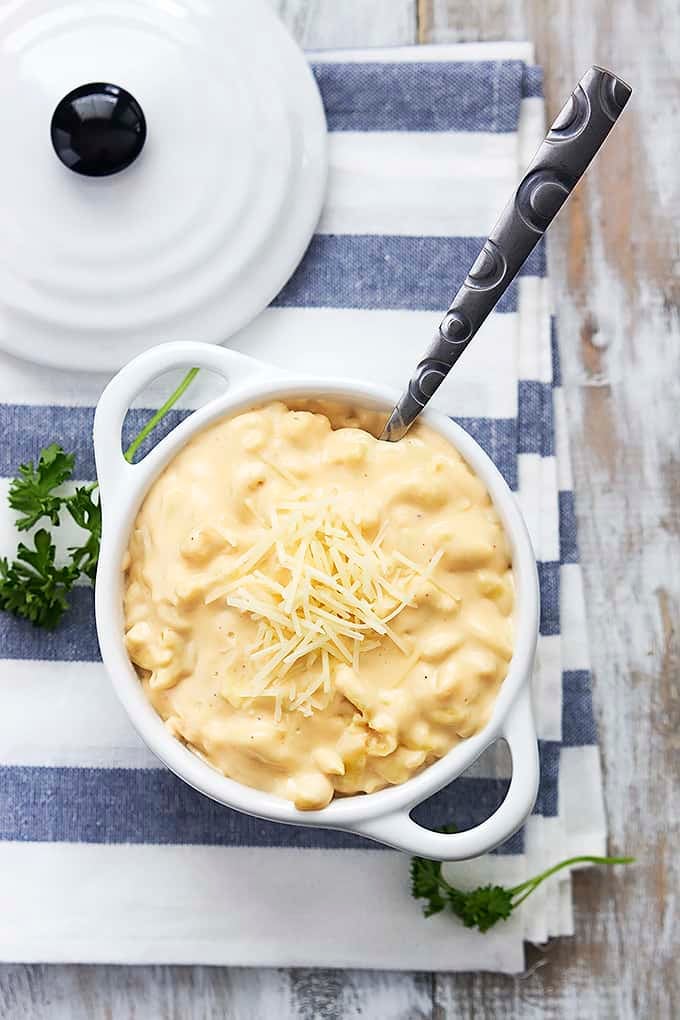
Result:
pixel 98 129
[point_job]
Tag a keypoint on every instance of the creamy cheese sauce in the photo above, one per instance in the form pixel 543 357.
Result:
pixel 315 612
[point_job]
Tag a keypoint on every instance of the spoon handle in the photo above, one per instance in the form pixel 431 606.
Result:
pixel 574 138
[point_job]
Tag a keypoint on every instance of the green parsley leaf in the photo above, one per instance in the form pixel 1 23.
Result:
pixel 426 884
pixel 482 907
pixel 32 492
pixel 88 515
pixel 33 587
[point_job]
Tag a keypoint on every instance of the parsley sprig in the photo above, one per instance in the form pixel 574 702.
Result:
pixel 483 907
pixel 34 586
pixel 32 492
pixel 88 515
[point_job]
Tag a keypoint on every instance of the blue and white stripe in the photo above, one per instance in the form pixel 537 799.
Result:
pixel 423 152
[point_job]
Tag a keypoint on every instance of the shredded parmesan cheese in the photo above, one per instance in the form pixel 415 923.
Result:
pixel 321 594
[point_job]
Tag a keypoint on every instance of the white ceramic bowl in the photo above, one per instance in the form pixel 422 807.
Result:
pixel 385 815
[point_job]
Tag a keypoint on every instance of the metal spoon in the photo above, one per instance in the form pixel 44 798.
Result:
pixel 574 138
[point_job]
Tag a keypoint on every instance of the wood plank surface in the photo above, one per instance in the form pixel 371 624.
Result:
pixel 340 24
pixel 616 267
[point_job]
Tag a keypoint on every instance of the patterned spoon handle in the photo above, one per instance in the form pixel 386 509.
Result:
pixel 576 135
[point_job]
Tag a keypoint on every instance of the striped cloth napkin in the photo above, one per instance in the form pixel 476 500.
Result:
pixel 104 855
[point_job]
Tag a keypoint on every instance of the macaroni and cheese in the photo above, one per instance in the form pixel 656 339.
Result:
pixel 315 612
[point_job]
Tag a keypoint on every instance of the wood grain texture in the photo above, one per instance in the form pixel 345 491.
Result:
pixel 616 266
pixel 339 24
pixel 40 992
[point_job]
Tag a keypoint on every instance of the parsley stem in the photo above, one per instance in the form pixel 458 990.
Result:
pixel 160 414
pixel 526 888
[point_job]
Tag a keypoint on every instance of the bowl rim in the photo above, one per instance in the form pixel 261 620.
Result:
pixel 124 486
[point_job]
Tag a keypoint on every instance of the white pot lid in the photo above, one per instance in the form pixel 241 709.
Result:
pixel 219 200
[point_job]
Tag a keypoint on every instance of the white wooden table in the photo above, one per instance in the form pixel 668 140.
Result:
pixel 617 269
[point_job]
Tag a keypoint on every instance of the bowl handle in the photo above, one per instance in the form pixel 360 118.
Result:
pixel 400 831
pixel 112 468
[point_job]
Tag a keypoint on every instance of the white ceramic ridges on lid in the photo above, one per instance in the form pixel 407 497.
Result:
pixel 209 219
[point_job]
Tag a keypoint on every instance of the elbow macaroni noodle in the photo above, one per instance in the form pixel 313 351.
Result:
pixel 312 611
